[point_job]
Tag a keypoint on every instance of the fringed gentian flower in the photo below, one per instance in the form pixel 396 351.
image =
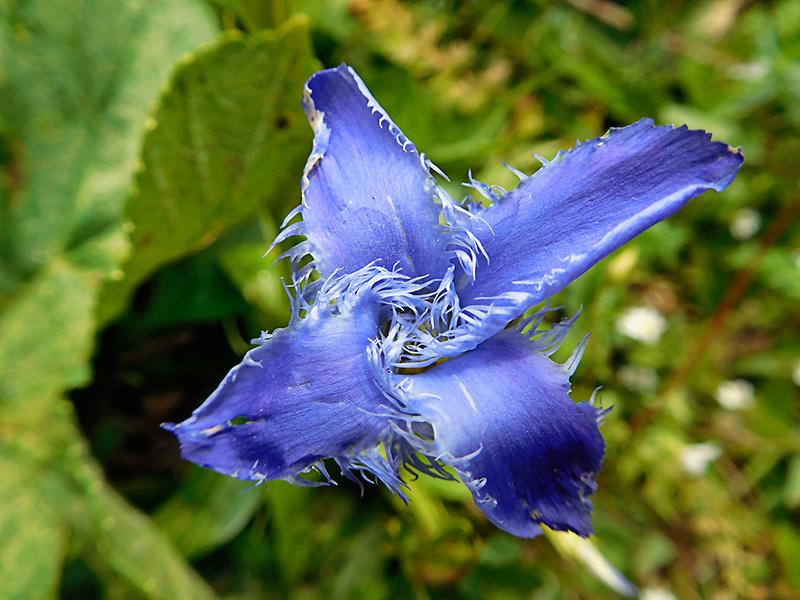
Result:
pixel 408 277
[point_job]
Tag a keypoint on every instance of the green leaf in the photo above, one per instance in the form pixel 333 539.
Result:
pixel 78 80
pixel 126 542
pixel 787 545
pixel 120 542
pixel 228 136
pixel 257 14
pixel 33 535
pixel 258 277
pixel 359 566
pixel 207 511
pixel 791 489
pixel 61 487
pixel 290 509
pixel 192 291
pixel 46 335
pixel 79 83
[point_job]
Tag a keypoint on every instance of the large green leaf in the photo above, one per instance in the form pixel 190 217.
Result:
pixel 228 135
pixel 46 335
pixel 77 81
pixel 126 542
pixel 33 534
pixel 51 485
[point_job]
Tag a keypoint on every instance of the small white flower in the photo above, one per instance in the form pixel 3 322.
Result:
pixel 638 379
pixel 746 224
pixel 697 457
pixel 643 324
pixel 796 373
pixel 657 593
pixel 735 395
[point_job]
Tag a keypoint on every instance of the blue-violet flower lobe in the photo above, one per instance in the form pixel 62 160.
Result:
pixel 393 275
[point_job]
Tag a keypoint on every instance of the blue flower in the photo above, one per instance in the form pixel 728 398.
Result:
pixel 394 276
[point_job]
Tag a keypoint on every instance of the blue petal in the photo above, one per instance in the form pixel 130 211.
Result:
pixel 308 392
pixel 367 194
pixel 582 206
pixel 502 417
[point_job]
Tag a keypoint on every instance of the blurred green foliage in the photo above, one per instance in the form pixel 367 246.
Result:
pixel 147 151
